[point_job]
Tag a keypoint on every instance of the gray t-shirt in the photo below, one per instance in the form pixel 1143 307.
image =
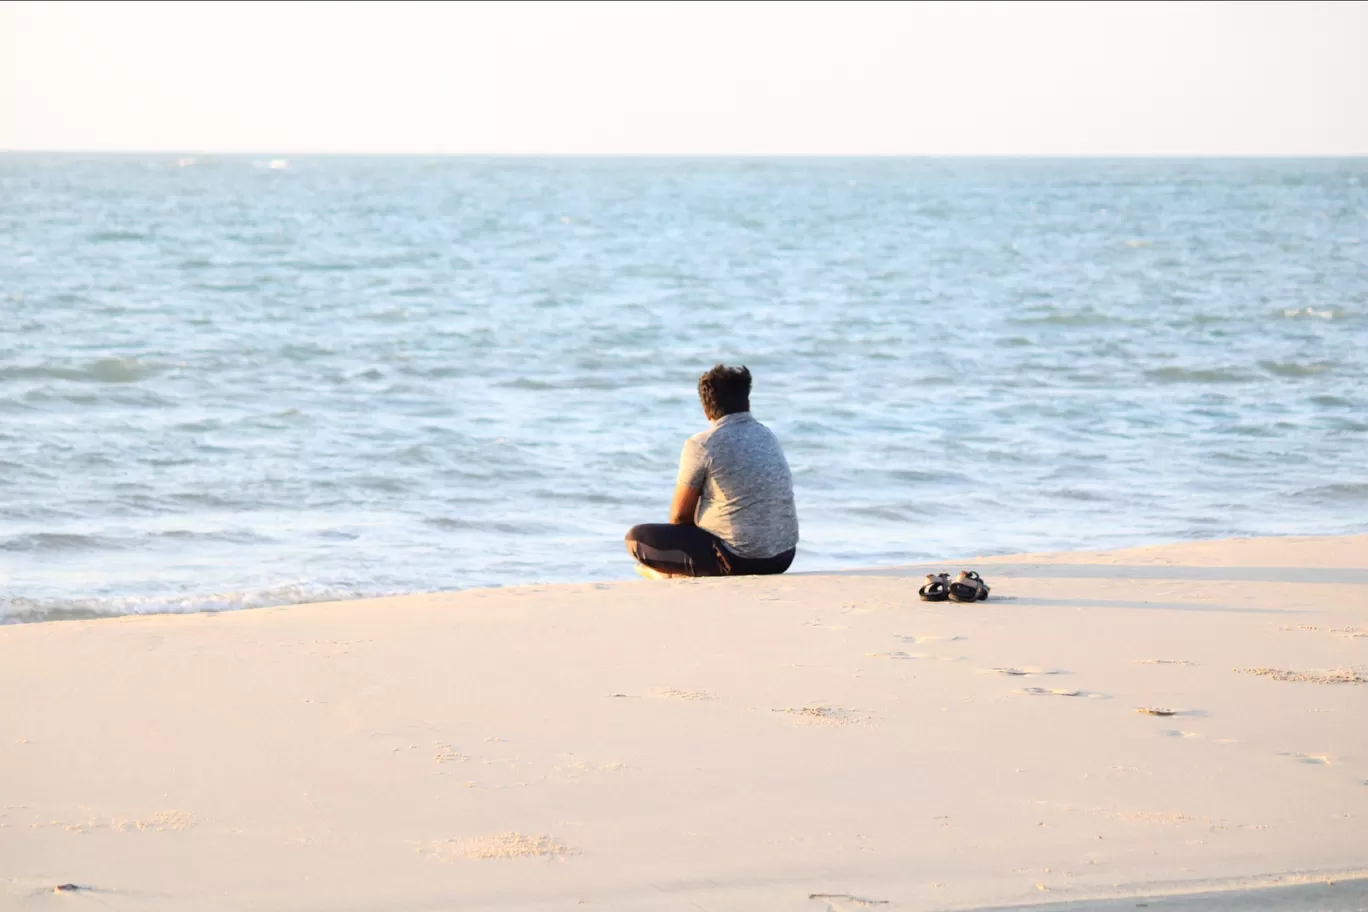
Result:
pixel 747 498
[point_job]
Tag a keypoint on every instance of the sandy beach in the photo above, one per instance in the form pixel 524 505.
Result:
pixel 1188 721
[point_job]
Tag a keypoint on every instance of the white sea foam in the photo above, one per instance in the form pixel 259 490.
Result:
pixel 1309 312
pixel 20 609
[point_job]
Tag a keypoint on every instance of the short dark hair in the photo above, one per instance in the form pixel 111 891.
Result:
pixel 724 391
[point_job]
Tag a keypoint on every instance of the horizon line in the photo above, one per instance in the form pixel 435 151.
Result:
pixel 695 155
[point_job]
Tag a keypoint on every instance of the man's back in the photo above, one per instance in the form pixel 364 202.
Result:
pixel 747 489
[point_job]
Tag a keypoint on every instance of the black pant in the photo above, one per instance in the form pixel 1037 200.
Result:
pixel 690 551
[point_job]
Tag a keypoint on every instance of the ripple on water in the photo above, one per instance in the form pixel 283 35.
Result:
pixel 1351 492
pixel 1296 369
pixel 113 236
pixel 452 524
pixel 1198 375
pixel 100 370
pixel 57 541
pixel 1069 318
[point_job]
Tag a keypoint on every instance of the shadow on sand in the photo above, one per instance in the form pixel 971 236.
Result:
pixel 1338 576
pixel 1324 896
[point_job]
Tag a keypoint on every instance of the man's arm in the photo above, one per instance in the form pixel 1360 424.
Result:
pixel 684 506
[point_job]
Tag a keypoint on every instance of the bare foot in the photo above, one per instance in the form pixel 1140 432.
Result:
pixel 652 573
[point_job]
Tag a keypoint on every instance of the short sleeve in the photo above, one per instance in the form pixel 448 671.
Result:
pixel 693 465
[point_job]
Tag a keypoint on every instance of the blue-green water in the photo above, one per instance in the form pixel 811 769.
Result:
pixel 227 383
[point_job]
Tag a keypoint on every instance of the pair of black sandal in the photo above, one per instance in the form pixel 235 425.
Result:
pixel 967 587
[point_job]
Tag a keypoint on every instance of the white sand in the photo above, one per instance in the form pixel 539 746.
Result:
pixel 805 742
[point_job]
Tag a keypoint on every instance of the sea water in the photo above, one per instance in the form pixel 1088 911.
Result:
pixel 238 381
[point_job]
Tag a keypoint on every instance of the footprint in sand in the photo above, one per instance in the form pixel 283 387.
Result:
pixel 445 754
pixel 844 902
pixel 503 845
pixel 914 655
pixel 1059 692
pixel 852 608
pixel 675 693
pixel 824 716
pixel 1334 676
pixel 1024 672
pixel 920 640
pixel 94 895
pixel 1165 711
pixel 1311 759
pixel 1179 733
pixel 160 822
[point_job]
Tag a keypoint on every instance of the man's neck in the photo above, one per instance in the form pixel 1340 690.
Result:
pixel 731 419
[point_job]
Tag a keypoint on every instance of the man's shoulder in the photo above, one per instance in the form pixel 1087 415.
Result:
pixel 730 434
pixel 749 429
pixel 747 435
pixel 701 438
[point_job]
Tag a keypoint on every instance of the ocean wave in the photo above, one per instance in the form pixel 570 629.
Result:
pixel 1311 313
pixel 417 454
pixel 101 370
pixel 526 383
pixel 1085 317
pixel 1203 375
pixel 208 499
pixel 1295 369
pixel 1353 492
pixel 226 286
pixel 58 541
pixel 29 610
pixel 1252 430
pixel 383 483
pixel 103 237
pixel 893 513
pixel 35 398
pixel 918 476
pixel 448 524
pixel 1081 495
pixel 230 536
pixel 122 394
pixel 55 542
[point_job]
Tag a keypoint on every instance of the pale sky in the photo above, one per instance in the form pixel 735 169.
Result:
pixel 687 78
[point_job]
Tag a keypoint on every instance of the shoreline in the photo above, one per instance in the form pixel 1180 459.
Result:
pixel 807 741
pixel 1010 563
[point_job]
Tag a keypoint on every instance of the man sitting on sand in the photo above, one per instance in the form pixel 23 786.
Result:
pixel 733 511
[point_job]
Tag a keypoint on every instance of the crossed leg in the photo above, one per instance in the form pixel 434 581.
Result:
pixel 670 550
